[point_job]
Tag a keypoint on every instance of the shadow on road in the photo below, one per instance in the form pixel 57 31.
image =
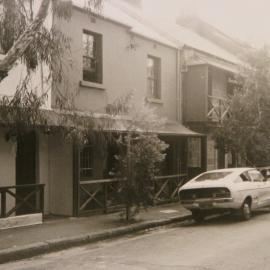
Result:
pixel 224 219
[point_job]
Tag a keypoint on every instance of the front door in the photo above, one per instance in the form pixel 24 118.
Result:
pixel 25 170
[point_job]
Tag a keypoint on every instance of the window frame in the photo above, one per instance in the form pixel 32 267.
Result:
pixel 154 93
pixel 90 162
pixel 97 58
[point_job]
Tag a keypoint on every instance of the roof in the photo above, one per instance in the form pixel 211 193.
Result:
pixel 167 33
pixel 193 40
pixel 126 15
pixel 117 123
pixel 199 59
pixel 176 129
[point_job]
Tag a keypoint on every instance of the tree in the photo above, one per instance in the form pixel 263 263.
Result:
pixel 141 151
pixel 25 38
pixel 246 130
pixel 22 34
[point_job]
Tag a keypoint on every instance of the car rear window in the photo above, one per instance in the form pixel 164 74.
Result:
pixel 212 176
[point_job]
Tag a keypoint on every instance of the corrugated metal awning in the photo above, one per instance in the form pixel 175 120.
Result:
pixel 109 123
pixel 176 129
pixel 200 59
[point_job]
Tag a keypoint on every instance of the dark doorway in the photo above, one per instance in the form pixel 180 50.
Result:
pixel 25 170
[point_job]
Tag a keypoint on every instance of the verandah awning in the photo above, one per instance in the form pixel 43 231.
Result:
pixel 199 59
pixel 118 124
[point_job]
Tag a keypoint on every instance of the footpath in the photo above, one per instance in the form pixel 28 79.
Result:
pixel 59 233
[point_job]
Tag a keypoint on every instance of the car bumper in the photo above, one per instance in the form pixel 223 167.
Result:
pixel 220 203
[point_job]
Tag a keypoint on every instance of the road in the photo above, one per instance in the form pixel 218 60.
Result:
pixel 218 244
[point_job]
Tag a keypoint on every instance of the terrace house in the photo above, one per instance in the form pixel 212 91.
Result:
pixel 112 54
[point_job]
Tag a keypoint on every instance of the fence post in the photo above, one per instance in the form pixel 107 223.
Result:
pixel 105 190
pixel 3 203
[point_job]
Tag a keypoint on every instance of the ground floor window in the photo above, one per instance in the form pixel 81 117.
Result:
pixel 194 152
pixel 86 162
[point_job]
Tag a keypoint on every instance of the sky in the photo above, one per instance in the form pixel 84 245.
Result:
pixel 246 20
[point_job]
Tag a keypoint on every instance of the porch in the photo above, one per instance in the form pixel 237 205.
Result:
pixel 95 189
pixel 21 205
pixel 103 195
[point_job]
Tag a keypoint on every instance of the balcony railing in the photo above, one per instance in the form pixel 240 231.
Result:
pixel 104 194
pixel 21 199
pixel 218 108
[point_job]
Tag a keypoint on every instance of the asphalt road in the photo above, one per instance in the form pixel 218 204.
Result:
pixel 222 243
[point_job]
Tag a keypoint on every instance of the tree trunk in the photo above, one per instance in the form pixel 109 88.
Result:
pixel 21 44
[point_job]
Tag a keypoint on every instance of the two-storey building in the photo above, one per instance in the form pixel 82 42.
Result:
pixel 111 54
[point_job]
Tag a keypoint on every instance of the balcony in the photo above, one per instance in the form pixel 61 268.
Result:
pixel 218 108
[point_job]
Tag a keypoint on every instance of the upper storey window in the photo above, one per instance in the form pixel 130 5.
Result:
pixel 92 57
pixel 153 77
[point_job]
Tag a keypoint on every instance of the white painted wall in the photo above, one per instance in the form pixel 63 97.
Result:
pixel 124 69
pixel 7 165
pixel 60 176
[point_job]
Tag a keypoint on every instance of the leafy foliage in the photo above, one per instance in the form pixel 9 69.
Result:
pixel 21 112
pixel 13 21
pixel 138 163
pixel 246 131
pixel 141 153
pixel 34 44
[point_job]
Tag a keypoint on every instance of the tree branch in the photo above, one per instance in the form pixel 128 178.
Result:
pixel 19 47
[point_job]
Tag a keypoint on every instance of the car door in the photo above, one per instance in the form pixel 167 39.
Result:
pixel 247 187
pixel 260 185
pixel 266 188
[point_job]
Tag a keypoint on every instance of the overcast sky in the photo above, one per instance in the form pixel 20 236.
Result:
pixel 247 20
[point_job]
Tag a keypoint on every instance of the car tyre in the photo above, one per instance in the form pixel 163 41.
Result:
pixel 245 210
pixel 198 216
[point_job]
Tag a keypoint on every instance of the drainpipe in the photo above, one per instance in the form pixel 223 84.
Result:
pixel 179 96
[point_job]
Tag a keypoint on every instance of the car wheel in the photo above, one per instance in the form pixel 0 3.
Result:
pixel 198 216
pixel 245 211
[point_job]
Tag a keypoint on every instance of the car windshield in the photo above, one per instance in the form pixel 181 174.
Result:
pixel 212 176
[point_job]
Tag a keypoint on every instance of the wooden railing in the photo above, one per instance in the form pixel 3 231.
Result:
pixel 104 194
pixel 166 187
pixel 21 199
pixel 218 108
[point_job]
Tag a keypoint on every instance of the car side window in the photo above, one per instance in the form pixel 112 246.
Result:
pixel 245 177
pixel 256 176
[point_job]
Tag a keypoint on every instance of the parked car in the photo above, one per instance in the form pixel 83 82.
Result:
pixel 239 190
pixel 265 171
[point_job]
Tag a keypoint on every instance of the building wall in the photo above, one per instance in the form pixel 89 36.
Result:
pixel 7 165
pixel 195 87
pixel 124 68
pixel 60 176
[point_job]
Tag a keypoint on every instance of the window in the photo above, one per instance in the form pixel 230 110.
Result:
pixel 153 77
pixel 245 177
pixel 256 176
pixel 86 162
pixel 212 176
pixel 92 57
